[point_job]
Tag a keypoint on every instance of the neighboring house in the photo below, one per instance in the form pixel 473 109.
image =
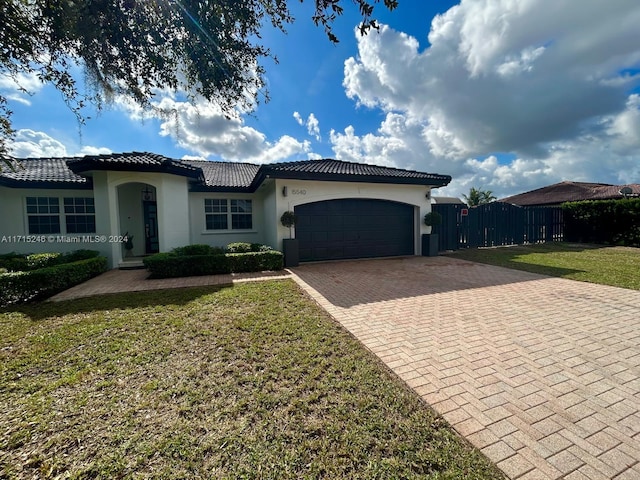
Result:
pixel 562 192
pixel 345 210
pixel 447 201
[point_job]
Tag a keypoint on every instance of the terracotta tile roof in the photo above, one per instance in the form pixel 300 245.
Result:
pixel 559 193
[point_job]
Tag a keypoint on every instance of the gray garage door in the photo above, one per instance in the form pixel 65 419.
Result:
pixel 354 228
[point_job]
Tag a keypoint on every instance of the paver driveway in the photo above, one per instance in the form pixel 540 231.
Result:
pixel 542 374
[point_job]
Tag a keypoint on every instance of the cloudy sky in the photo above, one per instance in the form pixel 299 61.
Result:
pixel 506 95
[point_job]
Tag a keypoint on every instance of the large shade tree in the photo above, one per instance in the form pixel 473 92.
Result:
pixel 205 48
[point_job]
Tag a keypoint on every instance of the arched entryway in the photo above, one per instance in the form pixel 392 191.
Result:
pixel 138 218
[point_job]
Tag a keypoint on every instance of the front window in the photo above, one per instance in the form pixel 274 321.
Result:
pixel 241 217
pixel 43 214
pixel 228 214
pixel 215 210
pixel 80 215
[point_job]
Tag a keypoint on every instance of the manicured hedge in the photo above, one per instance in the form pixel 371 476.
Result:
pixel 245 247
pixel 17 262
pixel 17 287
pixel 255 261
pixel 198 249
pixel 168 265
pixel 613 222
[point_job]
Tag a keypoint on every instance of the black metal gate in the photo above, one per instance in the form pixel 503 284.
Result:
pixel 497 224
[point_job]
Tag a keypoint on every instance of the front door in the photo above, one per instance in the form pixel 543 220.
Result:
pixel 151 243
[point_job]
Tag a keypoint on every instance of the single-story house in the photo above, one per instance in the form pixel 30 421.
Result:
pixel 562 192
pixel 344 210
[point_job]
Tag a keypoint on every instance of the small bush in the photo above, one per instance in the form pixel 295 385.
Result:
pixel 42 260
pixel 240 247
pixel 432 219
pixel 17 287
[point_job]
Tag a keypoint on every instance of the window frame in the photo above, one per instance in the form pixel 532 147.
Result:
pixel 60 219
pixel 42 210
pixel 235 212
pixel 82 210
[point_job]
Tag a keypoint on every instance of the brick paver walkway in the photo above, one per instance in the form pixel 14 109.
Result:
pixel 542 374
pixel 116 281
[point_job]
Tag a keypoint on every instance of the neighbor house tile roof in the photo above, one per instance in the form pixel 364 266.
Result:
pixel 559 193
pixel 207 175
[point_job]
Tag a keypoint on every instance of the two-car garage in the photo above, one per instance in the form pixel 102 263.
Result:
pixel 354 228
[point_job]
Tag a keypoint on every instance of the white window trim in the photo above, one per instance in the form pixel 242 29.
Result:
pixel 229 214
pixel 62 216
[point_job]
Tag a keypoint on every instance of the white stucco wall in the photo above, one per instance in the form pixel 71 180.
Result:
pixel 220 238
pixel 14 227
pixel 124 189
pixel 270 211
pixel 300 192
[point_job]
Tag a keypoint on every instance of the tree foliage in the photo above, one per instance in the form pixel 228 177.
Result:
pixel 207 49
pixel 478 197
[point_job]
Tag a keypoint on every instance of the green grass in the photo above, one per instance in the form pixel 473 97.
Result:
pixel 249 381
pixel 616 266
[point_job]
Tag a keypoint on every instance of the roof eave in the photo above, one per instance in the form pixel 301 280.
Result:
pixel 201 188
pixel 437 181
pixel 83 166
pixel 43 184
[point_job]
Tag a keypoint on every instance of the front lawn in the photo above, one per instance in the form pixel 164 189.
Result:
pixel 249 381
pixel 616 266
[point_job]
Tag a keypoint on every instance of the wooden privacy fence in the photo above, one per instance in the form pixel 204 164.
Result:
pixel 497 224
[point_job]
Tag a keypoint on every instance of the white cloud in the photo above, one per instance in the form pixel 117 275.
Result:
pixel 88 150
pixel 312 124
pixel 20 88
pixel 397 143
pixel 204 129
pixel 192 157
pixel 543 80
pixel 30 143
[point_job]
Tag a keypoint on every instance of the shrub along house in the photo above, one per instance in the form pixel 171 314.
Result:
pixel 343 209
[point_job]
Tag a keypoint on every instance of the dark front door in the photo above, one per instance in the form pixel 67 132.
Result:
pixel 354 228
pixel 151 243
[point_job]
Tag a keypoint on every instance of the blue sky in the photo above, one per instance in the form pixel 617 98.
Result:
pixel 507 95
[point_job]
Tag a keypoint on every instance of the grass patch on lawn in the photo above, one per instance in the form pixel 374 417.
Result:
pixel 616 266
pixel 249 381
